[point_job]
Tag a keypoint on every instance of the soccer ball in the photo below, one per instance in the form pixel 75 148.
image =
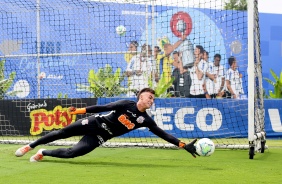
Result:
pixel 121 30
pixel 205 147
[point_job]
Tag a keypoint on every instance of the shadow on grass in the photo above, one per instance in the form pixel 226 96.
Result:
pixel 123 164
pixel 105 163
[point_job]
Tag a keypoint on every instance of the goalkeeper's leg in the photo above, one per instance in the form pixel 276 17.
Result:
pixel 50 137
pixel 75 129
pixel 84 146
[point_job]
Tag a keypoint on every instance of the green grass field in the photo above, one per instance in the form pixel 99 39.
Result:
pixel 144 166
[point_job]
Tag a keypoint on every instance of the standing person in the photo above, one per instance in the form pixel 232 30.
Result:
pixel 215 80
pixel 184 77
pixel 157 57
pixel 133 73
pixel 176 74
pixel 198 73
pixel 124 117
pixel 185 81
pixel 130 58
pixel 140 69
pixel 132 50
pixel 206 56
pixel 234 79
pixel 149 67
pixel 164 62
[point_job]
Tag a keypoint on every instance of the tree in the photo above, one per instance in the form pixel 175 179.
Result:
pixel 236 5
pixel 277 84
pixel 5 84
pixel 161 89
pixel 104 83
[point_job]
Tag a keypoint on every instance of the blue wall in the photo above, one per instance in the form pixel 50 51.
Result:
pixel 271 46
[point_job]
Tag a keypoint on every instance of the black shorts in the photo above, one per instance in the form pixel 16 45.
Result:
pixel 86 126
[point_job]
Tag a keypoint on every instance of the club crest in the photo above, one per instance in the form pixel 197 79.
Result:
pixel 140 119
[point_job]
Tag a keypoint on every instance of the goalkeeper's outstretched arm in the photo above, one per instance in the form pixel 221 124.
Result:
pixel 169 138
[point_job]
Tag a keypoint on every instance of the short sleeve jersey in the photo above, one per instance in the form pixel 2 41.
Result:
pixel 235 81
pixel 140 64
pixel 197 85
pixel 218 71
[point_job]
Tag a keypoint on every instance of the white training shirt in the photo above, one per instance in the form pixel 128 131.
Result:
pixel 196 84
pixel 235 81
pixel 146 66
pixel 214 86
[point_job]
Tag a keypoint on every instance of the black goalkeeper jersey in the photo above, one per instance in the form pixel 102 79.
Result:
pixel 125 117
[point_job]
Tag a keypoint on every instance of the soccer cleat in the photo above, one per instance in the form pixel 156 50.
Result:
pixel 37 157
pixel 23 150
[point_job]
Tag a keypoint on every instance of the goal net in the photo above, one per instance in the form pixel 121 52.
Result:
pixel 60 53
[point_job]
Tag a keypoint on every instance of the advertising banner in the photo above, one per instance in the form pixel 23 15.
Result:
pixel 224 118
pixel 181 117
pixel 38 116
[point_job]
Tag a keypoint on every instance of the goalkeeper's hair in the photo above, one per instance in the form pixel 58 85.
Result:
pixel 145 90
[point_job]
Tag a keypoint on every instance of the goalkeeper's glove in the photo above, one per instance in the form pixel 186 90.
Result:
pixel 190 147
pixel 74 110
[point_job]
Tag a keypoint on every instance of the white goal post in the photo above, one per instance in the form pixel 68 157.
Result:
pixel 256 132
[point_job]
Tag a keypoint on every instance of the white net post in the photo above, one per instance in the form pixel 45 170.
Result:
pixel 256 132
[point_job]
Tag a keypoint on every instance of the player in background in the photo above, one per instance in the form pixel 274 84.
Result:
pixel 140 69
pixel 124 116
pixel 215 80
pixel 130 56
pixel 234 79
pixel 198 73
pixel 132 51
pixel 164 61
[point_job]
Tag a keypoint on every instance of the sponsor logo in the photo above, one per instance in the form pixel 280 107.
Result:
pixel 163 116
pixel 134 115
pixel 126 122
pixel 31 106
pixel 104 126
pixel 42 119
pixel 101 140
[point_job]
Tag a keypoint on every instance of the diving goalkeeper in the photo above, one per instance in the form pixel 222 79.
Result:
pixel 124 116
